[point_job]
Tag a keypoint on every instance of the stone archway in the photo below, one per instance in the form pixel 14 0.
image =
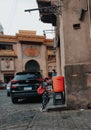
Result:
pixel 32 66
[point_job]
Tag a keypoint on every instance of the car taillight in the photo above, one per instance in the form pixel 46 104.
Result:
pixel 14 81
pixel 39 79
pixel 13 87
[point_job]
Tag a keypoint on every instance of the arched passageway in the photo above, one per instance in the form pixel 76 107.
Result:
pixel 32 66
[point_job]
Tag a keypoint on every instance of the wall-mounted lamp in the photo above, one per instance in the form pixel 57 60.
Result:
pixel 48 10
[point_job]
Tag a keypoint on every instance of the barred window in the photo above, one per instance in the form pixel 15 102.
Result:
pixel 6 47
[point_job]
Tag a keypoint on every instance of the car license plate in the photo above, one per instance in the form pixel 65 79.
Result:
pixel 27 88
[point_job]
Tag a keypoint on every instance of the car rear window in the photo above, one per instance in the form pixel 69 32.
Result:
pixel 24 76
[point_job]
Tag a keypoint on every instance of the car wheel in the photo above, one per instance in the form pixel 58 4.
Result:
pixel 14 100
pixel 8 94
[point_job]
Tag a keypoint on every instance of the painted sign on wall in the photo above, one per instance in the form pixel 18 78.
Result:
pixel 31 51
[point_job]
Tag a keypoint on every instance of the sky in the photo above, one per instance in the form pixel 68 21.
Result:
pixel 14 18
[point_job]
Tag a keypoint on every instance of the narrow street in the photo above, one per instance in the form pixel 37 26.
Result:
pixel 27 116
pixel 16 116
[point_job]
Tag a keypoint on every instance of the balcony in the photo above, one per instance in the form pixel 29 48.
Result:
pixel 46 12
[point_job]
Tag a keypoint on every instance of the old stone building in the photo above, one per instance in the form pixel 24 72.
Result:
pixel 25 52
pixel 72 22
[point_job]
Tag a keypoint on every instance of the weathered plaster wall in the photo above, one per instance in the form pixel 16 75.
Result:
pixel 77 47
pixel 78 81
pixel 76 54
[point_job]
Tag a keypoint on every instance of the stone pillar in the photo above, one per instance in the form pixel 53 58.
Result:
pixel 19 63
pixel 44 60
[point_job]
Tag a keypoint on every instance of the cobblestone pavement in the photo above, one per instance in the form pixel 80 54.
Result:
pixel 16 116
pixel 62 120
pixel 27 116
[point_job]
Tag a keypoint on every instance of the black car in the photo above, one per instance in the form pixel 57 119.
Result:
pixel 24 85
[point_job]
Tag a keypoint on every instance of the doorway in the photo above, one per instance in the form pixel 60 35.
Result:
pixel 8 77
pixel 32 66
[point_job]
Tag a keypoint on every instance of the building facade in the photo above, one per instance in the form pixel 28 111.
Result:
pixel 73 47
pixel 25 52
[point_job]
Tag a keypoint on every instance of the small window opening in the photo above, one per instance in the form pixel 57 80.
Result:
pixel 76 26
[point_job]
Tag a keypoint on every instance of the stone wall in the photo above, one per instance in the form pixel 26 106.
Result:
pixel 78 85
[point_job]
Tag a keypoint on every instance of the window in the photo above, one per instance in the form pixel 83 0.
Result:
pixel 6 46
pixel 2 58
